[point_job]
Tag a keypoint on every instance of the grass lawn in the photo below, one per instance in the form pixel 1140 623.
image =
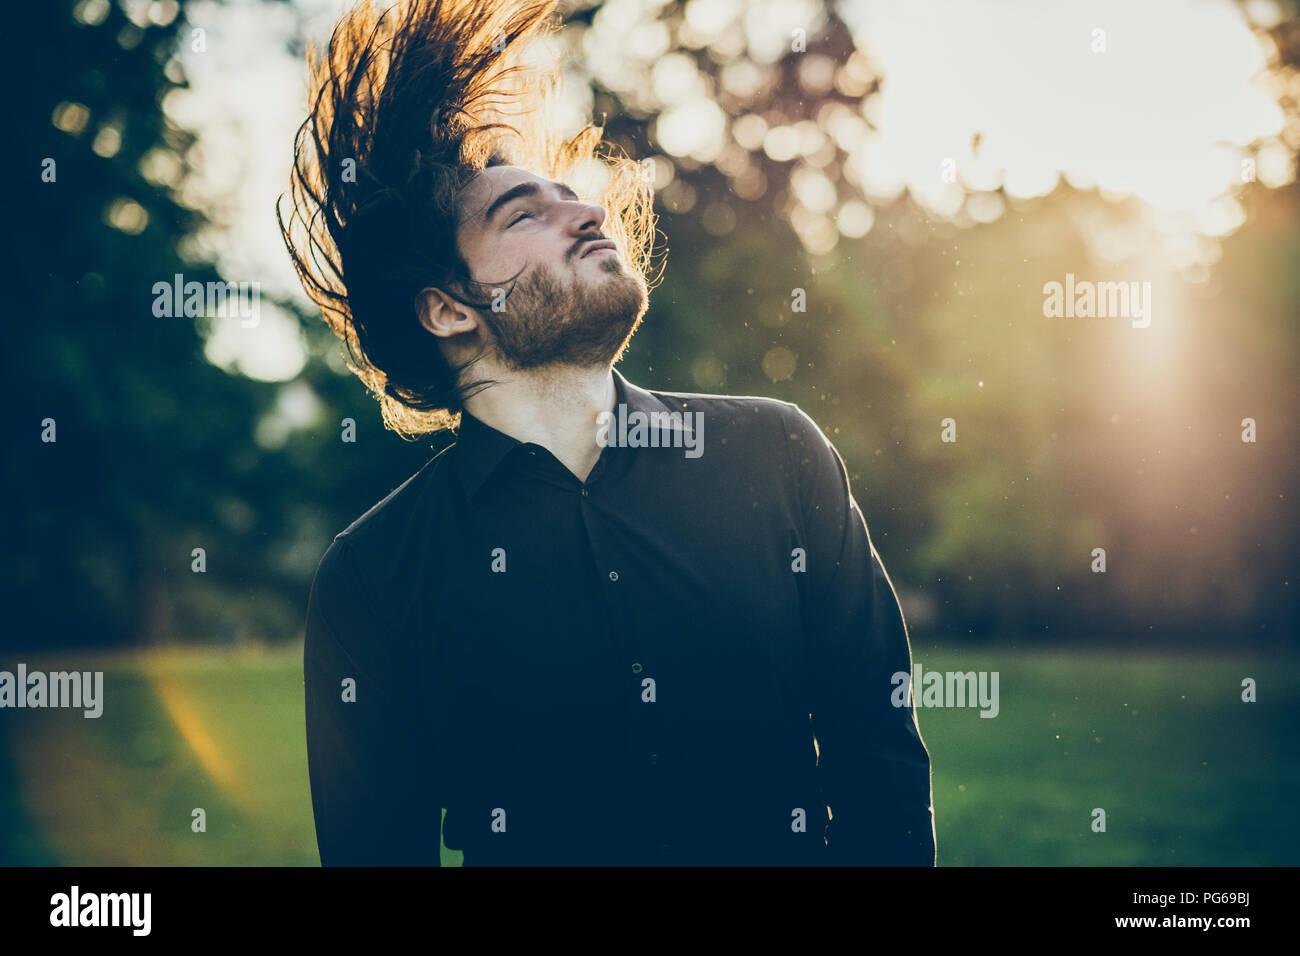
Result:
pixel 1186 772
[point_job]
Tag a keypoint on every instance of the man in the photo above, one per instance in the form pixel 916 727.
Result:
pixel 608 626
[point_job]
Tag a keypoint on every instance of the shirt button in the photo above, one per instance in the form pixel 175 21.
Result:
pixel 636 668
pixel 584 492
pixel 613 575
pixel 654 759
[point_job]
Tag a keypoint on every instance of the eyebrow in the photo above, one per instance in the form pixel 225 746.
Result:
pixel 524 189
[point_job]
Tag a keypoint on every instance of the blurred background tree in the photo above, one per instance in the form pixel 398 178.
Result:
pixel 155 452
pixel 1073 434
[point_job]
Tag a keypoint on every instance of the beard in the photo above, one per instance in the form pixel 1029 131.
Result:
pixel 585 323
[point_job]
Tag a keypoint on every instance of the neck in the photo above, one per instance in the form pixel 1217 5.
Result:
pixel 553 407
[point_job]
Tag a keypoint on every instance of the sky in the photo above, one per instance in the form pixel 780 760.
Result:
pixel 1153 99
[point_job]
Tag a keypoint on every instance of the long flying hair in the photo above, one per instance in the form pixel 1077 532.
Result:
pixel 406 106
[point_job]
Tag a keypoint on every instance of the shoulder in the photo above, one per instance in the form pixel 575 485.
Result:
pixel 395 509
pixel 754 418
pixel 380 539
pixel 753 415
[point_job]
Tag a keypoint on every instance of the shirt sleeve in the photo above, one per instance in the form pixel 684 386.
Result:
pixel 370 792
pixel 872 763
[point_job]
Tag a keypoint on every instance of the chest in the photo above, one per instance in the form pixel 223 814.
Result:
pixel 553 606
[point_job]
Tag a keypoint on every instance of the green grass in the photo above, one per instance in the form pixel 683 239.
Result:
pixel 1186 772
pixel 196 728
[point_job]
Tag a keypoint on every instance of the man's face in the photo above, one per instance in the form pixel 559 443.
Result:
pixel 574 303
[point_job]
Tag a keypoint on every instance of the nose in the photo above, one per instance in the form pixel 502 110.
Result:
pixel 586 218
pixel 585 224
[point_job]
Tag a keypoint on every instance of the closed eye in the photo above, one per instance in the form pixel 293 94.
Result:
pixel 520 218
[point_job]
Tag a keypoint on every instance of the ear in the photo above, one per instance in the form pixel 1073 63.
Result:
pixel 442 315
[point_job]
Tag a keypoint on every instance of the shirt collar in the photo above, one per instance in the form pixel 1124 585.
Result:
pixel 480 448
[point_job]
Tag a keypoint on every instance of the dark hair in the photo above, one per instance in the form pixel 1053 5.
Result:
pixel 405 113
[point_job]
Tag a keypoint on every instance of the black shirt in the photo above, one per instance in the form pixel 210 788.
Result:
pixel 628 670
